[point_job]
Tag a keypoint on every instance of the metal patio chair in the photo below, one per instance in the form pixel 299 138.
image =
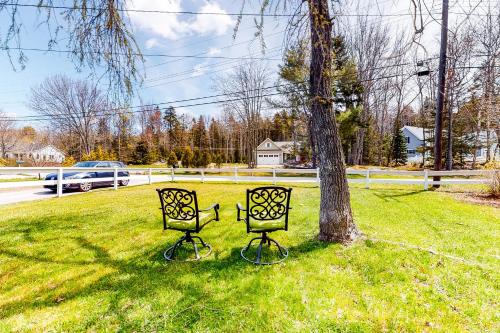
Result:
pixel 266 211
pixel 180 212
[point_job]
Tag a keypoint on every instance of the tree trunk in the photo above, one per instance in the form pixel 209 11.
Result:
pixel 335 223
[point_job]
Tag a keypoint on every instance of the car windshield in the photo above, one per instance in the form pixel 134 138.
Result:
pixel 85 164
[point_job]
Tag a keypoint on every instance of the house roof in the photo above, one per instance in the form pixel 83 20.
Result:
pixel 418 132
pixel 285 146
pixel 30 147
pixel 482 137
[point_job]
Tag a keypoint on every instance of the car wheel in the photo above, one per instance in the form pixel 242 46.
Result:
pixel 85 187
pixel 124 182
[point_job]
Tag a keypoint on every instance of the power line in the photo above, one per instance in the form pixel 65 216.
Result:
pixel 156 104
pixel 44 118
pixel 136 54
pixel 184 12
pixel 187 12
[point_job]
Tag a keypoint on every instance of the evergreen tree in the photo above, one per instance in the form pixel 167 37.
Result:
pixel 218 159
pixel 206 158
pixel 172 159
pixel 399 147
pixel 141 153
pixel 197 158
pixel 187 157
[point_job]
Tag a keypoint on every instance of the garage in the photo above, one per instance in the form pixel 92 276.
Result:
pixel 268 158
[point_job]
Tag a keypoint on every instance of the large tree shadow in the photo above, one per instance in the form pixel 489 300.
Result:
pixel 143 276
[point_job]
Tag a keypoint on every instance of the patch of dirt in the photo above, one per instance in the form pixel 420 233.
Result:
pixel 479 198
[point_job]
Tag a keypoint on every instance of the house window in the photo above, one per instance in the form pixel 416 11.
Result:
pixel 268 144
pixel 407 139
pixel 260 155
pixel 411 151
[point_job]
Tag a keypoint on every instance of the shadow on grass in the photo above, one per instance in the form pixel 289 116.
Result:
pixel 388 195
pixel 145 276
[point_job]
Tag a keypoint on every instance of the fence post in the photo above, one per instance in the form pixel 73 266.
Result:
pixel 235 174
pixel 150 180
pixel 367 179
pixel 172 173
pixel 115 178
pixel 202 176
pixel 59 182
pixel 317 176
pixel 426 179
pixel 274 176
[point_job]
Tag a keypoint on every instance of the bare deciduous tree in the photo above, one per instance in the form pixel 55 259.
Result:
pixel 73 106
pixel 245 93
pixel 99 37
pixel 8 135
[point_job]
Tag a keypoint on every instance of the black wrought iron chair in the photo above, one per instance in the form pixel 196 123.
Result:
pixel 266 211
pixel 180 212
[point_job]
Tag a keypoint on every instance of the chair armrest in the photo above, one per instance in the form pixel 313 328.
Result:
pixel 240 208
pixel 215 207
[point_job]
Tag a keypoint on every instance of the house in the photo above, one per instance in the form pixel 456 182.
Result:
pixel 482 141
pixel 271 152
pixel 415 140
pixel 35 152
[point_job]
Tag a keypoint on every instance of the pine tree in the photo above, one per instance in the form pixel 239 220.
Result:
pixel 399 148
pixel 172 159
pixel 187 157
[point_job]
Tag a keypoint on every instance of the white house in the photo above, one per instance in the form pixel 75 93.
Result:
pixel 482 153
pixel 270 153
pixel 415 139
pixel 38 153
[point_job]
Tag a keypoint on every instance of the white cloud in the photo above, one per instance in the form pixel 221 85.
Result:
pixel 212 24
pixel 165 25
pixel 152 42
pixel 213 51
pixel 199 69
pixel 171 26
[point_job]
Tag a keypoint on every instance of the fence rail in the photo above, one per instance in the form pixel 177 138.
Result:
pixel 269 175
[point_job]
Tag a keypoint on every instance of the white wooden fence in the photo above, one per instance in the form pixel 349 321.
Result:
pixel 140 176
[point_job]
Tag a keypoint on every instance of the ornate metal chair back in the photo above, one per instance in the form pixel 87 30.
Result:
pixel 268 203
pixel 178 204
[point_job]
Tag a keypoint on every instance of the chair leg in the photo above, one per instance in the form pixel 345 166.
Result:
pixel 201 240
pixel 280 248
pixel 195 249
pixel 169 254
pixel 259 251
pixel 283 252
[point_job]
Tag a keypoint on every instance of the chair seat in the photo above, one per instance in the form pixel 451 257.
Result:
pixel 205 218
pixel 266 225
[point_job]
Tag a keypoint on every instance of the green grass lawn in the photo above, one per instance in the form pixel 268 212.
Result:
pixel 15 180
pixel 93 262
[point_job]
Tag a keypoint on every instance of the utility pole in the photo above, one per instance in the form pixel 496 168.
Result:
pixel 438 129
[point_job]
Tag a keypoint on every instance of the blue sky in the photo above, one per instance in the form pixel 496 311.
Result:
pixel 186 34
pixel 165 79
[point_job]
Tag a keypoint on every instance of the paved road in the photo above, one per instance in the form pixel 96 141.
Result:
pixel 20 194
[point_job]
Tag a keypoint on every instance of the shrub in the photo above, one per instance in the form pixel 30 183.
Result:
pixel 492 165
pixel 494 184
pixel 172 159
pixel 69 161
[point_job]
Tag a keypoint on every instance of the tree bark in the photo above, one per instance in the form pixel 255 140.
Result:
pixel 335 223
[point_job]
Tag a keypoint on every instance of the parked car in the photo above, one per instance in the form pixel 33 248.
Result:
pixel 83 186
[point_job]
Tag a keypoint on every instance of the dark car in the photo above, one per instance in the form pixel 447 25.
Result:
pixel 83 186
